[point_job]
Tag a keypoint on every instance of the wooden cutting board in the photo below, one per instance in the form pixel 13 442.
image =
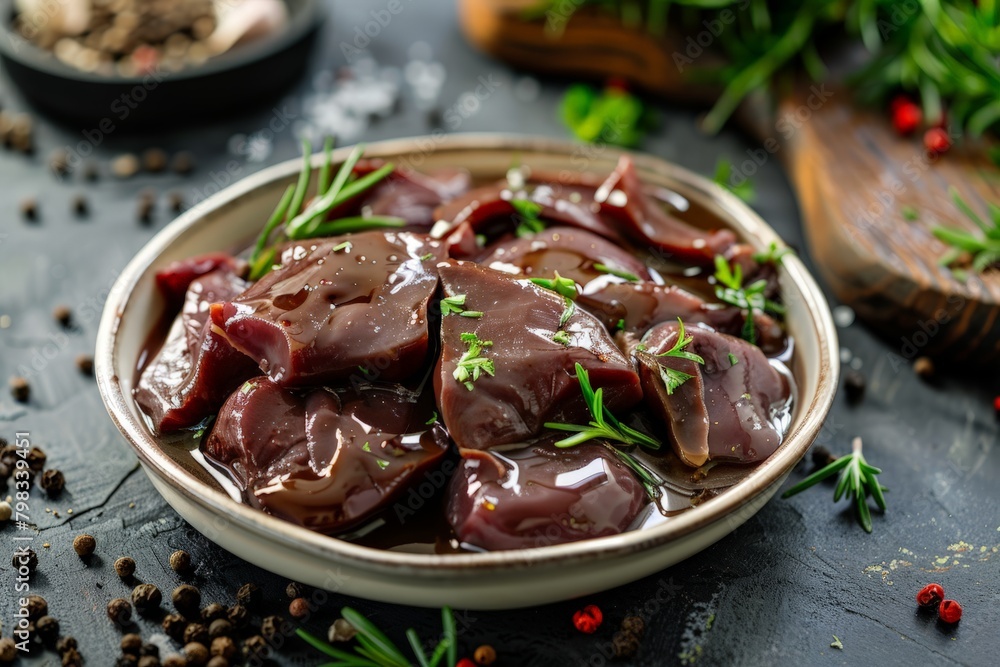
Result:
pixel 854 177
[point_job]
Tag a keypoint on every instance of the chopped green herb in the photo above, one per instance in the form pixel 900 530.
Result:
pixel 631 277
pixel 345 246
pixel 562 337
pixel 733 359
pixel 433 419
pixel 527 212
pixel 750 298
pixel 773 255
pixel 453 304
pixel 621 325
pixel 364 370
pixel 836 643
pixel 474 314
pixel 382 463
pixel 472 364
pixel 563 286
pixel 567 312
pixel 367 447
pixel 673 378
pixel 426 258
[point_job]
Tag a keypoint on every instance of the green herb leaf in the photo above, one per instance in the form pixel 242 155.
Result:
pixel 453 304
pixel 472 364
pixel 773 255
pixel 631 277
pixel 563 286
pixel 678 349
pixel 673 378
pixel 562 337
pixel 733 359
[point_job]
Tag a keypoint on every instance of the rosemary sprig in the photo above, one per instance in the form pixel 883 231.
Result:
pixel 375 649
pixel 985 249
pixel 603 425
pixel 751 298
pixel 472 364
pixel 671 377
pixel 857 481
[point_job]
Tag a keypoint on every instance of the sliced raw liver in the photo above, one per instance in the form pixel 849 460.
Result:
pixel 544 496
pixel 534 378
pixel 195 369
pixel 723 413
pixel 328 311
pixel 320 459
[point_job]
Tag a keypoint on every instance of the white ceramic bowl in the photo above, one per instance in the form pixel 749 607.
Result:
pixel 231 219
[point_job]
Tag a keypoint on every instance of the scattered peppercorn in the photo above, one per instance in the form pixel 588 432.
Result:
pixel 180 561
pixel 145 208
pixel 59 162
pixel 27 559
pixel 125 166
pixel 270 627
pixel 255 647
pixel 149 661
pixel 154 160
pixel 85 364
pixel 175 660
pixel 183 163
pixel 36 607
pixel 220 627
pixel 936 140
pixel 625 644
pixel 485 655
pixel 634 625
pixel 8 650
pixel 217 661
pixel 91 172
pixel 924 367
pixel 174 625
pixel 238 616
pixel 47 628
pixel 950 611
pixel 248 595
pixel 29 209
pixel 79 206
pixel 66 644
pixel 120 611
pixel 588 619
pixel 125 567
pixel 341 631
pixel 53 482
pixel 146 598
pixel 63 315
pixel 930 595
pixel 187 599
pixel 72 658
pixel 196 653
pixel 224 647
pixel 854 386
pixel 176 201
pixel 127 661
pixel 20 389
pixel 213 612
pixel 84 545
pixel 131 643
pixel 150 650
pixel 196 633
pixel 36 459
pixel 294 590
pixel 6 511
pixel 906 115
pixel 299 608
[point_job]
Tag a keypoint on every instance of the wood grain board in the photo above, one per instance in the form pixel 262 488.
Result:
pixel 853 176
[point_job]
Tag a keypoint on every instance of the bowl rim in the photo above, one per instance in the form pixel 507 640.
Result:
pixel 21 50
pixel 771 471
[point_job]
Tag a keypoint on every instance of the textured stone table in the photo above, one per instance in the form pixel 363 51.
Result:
pixel 773 592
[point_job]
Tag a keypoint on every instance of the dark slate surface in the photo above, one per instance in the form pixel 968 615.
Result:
pixel 774 592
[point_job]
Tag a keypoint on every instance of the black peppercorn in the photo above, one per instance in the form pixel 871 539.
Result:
pixel 146 598
pixel 180 562
pixel 154 160
pixel 80 206
pixel 36 607
pixel 85 364
pixel 91 172
pixel 125 166
pixel 29 209
pixel 72 658
pixel 176 201
pixel 20 389
pixel 59 162
pixel 149 661
pixel 27 559
pixel 36 459
pixel 196 653
pixel 53 482
pixel 144 209
pixel 625 644
pixel 255 647
pixel 238 616
pixel 183 163
pixel 294 590
pixel 854 386
pixel 127 660
pixel 186 600
pixel 220 627
pixel 248 595
pixel 150 650
pixel 120 611
pixel 8 650
pixel 174 626
pixel 821 457
pixel 224 647
pixel 213 612
pixel 63 316
pixel 131 643
pixel 271 627
pixel 84 545
pixel 48 630
pixel 125 567
pixel 196 633
pixel 175 660
pixel 634 625
pixel 217 661
pixel 66 644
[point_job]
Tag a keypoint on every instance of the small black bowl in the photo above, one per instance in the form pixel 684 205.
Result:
pixel 233 81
